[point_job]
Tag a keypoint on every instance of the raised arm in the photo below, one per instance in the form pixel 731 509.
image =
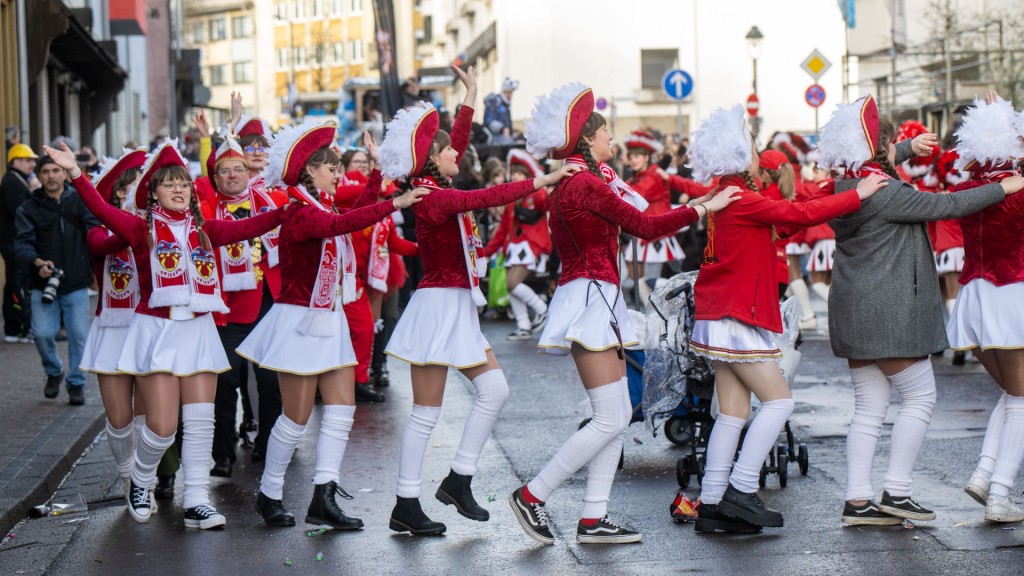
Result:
pixel 128 226
pixel 909 205
pixel 400 245
pixel 461 130
pixel 904 151
pixel 370 193
pixel 318 224
pixel 601 200
pixel 101 243
pixel 224 232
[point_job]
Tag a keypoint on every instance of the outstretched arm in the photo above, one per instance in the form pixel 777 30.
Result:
pixel 604 202
pixel 909 205
pixel 319 224
pixel 224 232
pixel 447 202
pixel 101 243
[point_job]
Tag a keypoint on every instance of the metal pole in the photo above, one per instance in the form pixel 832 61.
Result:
pixel 948 61
pixel 816 127
pixel 679 117
pixel 23 119
pixel 173 110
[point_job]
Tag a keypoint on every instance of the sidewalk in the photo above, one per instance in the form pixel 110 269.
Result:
pixel 42 438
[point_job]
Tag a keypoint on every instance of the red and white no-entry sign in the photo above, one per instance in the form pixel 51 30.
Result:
pixel 753 104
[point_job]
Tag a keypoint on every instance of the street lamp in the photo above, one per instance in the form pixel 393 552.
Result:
pixel 754 38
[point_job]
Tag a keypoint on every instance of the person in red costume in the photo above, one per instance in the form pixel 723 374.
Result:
pixel 172 347
pixel 776 175
pixel 653 185
pixel 523 237
pixel 444 306
pixel 737 310
pixel 988 318
pixel 114 267
pixel 304 337
pixel 587 316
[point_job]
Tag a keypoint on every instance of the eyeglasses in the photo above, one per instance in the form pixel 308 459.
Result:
pixel 171 186
pixel 230 171
pixel 360 161
pixel 255 150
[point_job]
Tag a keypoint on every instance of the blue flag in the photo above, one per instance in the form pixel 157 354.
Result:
pixel 849 10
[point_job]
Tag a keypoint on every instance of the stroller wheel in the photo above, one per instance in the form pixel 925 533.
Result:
pixel 679 430
pixel 700 470
pixel 803 460
pixel 683 472
pixel 762 479
pixel 783 465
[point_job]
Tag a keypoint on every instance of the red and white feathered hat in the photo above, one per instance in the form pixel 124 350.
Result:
pixel 556 123
pixel 918 166
pixel 111 169
pixel 946 170
pixel 166 154
pixel 248 126
pixel 792 145
pixel 991 135
pixel 520 157
pixel 292 147
pixel 407 141
pixel 722 146
pixel 850 137
pixel 643 141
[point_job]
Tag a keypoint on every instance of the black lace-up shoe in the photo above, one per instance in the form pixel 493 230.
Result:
pixel 222 468
pixel 455 489
pixel 324 508
pixel 51 386
pixel 273 511
pixel 749 508
pixel 76 395
pixel 904 507
pixel 710 519
pixel 532 517
pixel 139 505
pixel 606 532
pixel 204 517
pixel 408 516
pixel 868 515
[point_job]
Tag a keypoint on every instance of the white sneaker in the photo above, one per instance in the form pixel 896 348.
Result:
pixel 1002 510
pixel 11 339
pixel 520 334
pixel 977 487
pixel 809 323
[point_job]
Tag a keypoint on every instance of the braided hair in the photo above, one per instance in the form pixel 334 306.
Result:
pixel 319 157
pixel 441 141
pixel 748 179
pixel 593 124
pixel 886 134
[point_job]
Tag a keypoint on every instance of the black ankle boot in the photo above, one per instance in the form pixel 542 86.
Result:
pixel 409 517
pixel 273 511
pixel 455 490
pixel 324 508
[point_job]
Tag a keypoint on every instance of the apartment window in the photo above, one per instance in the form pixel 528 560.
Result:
pixel 654 64
pixel 242 72
pixel 300 9
pixel 218 75
pixel 426 35
pixel 218 29
pixel 196 31
pixel 300 56
pixel 338 51
pixel 336 7
pixel 282 58
pixel 318 8
pixel 282 10
pixel 241 27
pixel 357 50
pixel 357 5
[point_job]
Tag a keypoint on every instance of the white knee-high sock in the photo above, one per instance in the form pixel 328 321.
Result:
pixel 871 391
pixel 821 289
pixel 284 437
pixel 916 387
pixel 610 419
pixel 148 452
pixel 335 425
pixel 196 450
pixel 422 420
pixel 530 298
pixel 519 311
pixel 601 470
pixel 950 304
pixel 1011 449
pixel 799 288
pixel 759 441
pixel 993 434
pixel 122 444
pixel 491 395
pixel 138 423
pixel 725 437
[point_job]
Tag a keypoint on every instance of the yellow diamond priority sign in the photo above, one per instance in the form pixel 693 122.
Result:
pixel 816 64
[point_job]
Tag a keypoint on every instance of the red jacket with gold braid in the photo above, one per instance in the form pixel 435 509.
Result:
pixel 993 238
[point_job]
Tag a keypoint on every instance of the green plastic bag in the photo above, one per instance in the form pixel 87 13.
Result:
pixel 497 288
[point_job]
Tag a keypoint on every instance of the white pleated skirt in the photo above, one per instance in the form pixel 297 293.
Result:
pixel 987 316
pixel 659 251
pixel 440 326
pixel 822 256
pixel 730 340
pixel 276 344
pixel 103 348
pixel 576 316
pixel 179 347
pixel 950 261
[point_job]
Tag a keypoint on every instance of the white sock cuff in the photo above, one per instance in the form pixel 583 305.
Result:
pixel 869 372
pixel 919 369
pixel 428 413
pixel 781 405
pixel 120 433
pixel 1013 403
pixel 197 410
pixel 152 439
pixel 490 378
pixel 289 428
pixel 340 411
pixel 611 390
pixel 522 291
pixel 730 421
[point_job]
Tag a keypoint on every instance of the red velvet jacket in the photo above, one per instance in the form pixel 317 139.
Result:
pixel 512 230
pixel 102 244
pixel 781 258
pixel 688 187
pixel 136 233
pixel 993 239
pixel 822 231
pixel 654 190
pixel 738 278
pixel 583 207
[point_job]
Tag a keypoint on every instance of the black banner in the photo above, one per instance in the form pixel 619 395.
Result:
pixel 390 89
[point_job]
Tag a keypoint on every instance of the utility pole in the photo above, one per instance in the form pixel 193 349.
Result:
pixel 949 66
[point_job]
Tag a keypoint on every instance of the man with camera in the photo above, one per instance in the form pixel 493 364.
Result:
pixel 15 187
pixel 51 227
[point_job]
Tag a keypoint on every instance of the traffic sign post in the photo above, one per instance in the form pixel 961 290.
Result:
pixel 815 65
pixel 677 85
pixel 753 105
pixel 815 97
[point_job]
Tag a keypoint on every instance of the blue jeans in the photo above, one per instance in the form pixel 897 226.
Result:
pixel 45 324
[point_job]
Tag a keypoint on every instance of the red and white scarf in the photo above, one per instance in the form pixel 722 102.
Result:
pixel 867 170
pixel 336 254
pixel 120 289
pixel 628 195
pixel 470 244
pixel 261 202
pixel 380 260
pixel 235 260
pixel 994 175
pixel 184 273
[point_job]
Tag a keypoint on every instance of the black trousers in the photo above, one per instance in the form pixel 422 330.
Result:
pixel 17 304
pixel 388 313
pixel 225 431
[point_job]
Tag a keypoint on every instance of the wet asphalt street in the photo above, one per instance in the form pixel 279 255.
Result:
pixel 547 404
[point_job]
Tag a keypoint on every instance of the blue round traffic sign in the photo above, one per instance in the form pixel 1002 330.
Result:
pixel 601 104
pixel 815 95
pixel 677 84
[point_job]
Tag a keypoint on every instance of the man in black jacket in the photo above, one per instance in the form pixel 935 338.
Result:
pixel 15 188
pixel 51 228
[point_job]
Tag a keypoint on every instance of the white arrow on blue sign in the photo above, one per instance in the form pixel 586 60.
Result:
pixel 677 84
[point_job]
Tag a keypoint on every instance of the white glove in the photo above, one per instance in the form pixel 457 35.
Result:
pixel 378 325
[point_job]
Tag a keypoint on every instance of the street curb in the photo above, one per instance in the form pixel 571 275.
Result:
pixel 39 470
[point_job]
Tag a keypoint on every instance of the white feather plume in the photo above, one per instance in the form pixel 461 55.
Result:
pixel 546 128
pixel 280 146
pixel 106 165
pixel 722 145
pixel 989 134
pixel 397 148
pixel 842 142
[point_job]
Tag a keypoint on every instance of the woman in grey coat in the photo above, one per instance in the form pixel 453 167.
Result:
pixel 885 312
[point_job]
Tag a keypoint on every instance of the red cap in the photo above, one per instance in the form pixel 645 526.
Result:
pixel 773 159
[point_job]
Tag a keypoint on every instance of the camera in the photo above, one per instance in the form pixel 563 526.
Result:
pixel 82 158
pixel 52 284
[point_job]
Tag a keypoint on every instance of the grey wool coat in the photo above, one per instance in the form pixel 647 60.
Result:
pixel 884 301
